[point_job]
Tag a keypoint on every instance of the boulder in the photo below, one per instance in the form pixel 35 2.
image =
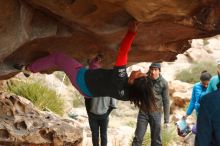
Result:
pixel 30 29
pixel 180 94
pixel 22 124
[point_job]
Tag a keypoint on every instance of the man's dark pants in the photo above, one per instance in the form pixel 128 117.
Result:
pixel 99 122
pixel 154 119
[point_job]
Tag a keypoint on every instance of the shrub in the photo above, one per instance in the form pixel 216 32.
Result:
pixel 60 75
pixel 78 99
pixel 205 42
pixel 40 95
pixel 192 74
pixel 131 123
pixel 168 135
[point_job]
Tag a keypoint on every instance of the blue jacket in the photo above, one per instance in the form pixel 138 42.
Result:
pixel 208 122
pixel 212 84
pixel 198 91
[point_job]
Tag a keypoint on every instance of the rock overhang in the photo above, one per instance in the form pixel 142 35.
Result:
pixel 34 28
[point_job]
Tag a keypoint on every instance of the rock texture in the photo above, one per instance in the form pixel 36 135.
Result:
pixel 180 94
pixel 22 124
pixel 33 28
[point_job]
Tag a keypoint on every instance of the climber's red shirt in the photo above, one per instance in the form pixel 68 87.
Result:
pixel 124 49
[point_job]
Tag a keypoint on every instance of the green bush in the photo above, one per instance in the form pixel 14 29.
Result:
pixel 131 123
pixel 168 135
pixel 205 42
pixel 78 99
pixel 60 75
pixel 192 74
pixel 40 95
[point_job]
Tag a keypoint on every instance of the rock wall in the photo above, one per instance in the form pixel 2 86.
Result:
pixel 30 29
pixel 22 124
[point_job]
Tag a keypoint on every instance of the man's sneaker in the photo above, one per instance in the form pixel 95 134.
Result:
pixel 23 69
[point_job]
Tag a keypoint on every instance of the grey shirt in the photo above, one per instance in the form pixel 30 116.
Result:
pixel 161 93
pixel 100 105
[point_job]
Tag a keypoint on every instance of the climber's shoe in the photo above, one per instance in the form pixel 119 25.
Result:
pixel 23 69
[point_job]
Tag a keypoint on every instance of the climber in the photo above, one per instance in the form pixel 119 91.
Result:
pixel 114 82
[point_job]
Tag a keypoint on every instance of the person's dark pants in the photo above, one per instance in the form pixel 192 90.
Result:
pixel 98 122
pixel 154 119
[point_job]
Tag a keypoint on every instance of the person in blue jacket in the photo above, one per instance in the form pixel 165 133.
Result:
pixel 199 89
pixel 214 80
pixel 208 122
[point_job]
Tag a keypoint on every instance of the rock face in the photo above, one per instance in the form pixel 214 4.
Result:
pixel 30 29
pixel 22 124
pixel 180 93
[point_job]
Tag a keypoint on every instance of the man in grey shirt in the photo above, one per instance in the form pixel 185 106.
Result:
pixel 98 110
pixel 101 106
pixel 160 88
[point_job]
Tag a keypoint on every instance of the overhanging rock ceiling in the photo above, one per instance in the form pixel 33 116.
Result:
pixel 83 28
